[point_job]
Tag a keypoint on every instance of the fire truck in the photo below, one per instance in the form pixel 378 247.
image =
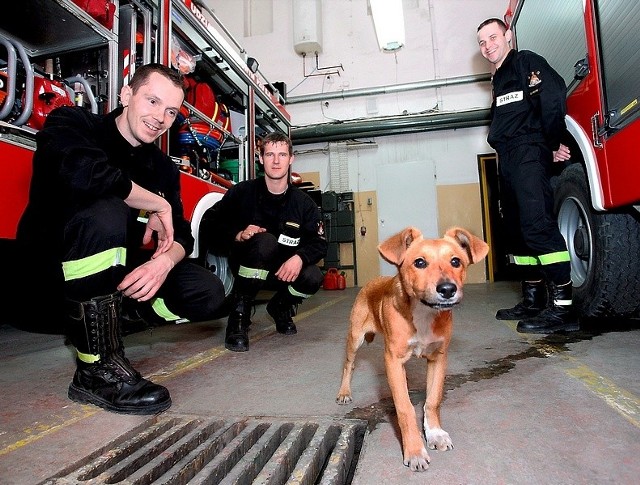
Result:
pixel 81 52
pixel 593 44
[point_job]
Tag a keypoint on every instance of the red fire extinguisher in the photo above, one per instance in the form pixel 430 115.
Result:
pixel 330 281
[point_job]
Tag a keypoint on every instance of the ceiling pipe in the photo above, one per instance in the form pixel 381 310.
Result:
pixel 386 126
pixel 396 88
pixel 390 125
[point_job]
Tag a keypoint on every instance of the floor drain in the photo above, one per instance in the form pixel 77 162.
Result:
pixel 175 450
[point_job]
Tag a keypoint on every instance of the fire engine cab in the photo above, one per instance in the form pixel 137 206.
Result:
pixel 81 52
pixel 593 44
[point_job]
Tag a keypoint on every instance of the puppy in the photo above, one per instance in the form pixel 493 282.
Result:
pixel 412 310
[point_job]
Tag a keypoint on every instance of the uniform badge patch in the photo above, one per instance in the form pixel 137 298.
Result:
pixel 534 79
pixel 509 98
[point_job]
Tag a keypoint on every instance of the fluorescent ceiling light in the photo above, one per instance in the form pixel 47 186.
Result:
pixel 388 20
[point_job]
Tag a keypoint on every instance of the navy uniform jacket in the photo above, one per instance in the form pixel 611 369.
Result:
pixel 82 157
pixel 529 103
pixel 293 218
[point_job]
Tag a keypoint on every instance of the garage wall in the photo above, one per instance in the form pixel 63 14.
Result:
pixel 440 43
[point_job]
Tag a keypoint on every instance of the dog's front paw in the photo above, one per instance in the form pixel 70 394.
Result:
pixel 438 439
pixel 344 398
pixel 418 462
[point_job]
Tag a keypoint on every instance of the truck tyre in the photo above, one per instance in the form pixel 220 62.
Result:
pixel 604 248
pixel 219 266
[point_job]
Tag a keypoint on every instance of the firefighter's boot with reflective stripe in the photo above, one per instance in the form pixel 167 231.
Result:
pixel 104 376
pixel 559 316
pixel 237 333
pixel 534 300
pixel 282 307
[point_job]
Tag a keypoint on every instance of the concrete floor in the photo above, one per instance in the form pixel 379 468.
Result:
pixel 520 409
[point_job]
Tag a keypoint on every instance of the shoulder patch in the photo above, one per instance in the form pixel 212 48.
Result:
pixel 534 78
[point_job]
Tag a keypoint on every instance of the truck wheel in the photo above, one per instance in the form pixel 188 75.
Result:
pixel 604 249
pixel 219 266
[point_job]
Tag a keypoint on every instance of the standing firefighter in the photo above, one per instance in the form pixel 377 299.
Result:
pixel 528 110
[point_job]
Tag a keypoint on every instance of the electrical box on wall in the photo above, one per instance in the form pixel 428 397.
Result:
pixel 307 26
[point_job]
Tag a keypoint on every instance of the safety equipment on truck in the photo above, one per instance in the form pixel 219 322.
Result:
pixel 102 11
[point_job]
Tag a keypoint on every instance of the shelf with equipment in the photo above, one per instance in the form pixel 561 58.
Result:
pixel 230 94
pixel 338 218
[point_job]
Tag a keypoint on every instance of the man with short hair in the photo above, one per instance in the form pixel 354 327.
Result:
pixel 273 233
pixel 527 126
pixel 106 202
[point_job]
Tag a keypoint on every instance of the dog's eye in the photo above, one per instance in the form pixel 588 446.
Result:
pixel 420 263
pixel 455 262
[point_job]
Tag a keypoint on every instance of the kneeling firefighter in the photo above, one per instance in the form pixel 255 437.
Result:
pixel 273 234
pixel 106 202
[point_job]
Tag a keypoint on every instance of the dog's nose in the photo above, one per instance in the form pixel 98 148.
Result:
pixel 447 290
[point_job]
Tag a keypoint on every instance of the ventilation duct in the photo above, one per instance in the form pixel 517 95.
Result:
pixel 307 26
pixel 397 125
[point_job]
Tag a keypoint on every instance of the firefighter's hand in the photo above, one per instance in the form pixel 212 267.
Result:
pixel 161 223
pixel 144 281
pixel 249 232
pixel 290 269
pixel 562 154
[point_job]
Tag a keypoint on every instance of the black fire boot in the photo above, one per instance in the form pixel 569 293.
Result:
pixel 559 316
pixel 237 334
pixel 534 300
pixel 104 376
pixel 282 307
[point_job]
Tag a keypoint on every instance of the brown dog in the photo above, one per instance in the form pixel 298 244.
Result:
pixel 412 310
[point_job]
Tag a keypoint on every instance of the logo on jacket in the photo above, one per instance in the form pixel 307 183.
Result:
pixel 321 229
pixel 534 79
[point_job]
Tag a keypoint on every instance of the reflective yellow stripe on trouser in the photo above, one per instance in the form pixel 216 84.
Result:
pixel 160 309
pixel 262 274
pixel 525 260
pixel 253 273
pixel 297 293
pixel 94 264
pixel 543 259
pixel 553 258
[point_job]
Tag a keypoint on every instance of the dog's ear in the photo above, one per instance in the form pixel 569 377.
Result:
pixel 475 247
pixel 393 249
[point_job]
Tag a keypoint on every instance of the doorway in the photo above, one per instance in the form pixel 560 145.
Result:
pixel 406 197
pixel 498 267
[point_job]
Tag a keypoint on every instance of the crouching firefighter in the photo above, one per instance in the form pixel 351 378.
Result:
pixel 273 234
pixel 106 200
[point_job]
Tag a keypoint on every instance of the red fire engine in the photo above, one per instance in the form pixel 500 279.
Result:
pixel 81 52
pixel 593 44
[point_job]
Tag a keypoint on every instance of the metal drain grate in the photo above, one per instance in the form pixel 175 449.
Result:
pixel 175 450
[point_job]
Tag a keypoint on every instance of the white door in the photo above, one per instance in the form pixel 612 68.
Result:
pixel 406 195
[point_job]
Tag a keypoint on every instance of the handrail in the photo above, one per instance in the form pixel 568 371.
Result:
pixel 11 78
pixel 87 89
pixel 27 108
